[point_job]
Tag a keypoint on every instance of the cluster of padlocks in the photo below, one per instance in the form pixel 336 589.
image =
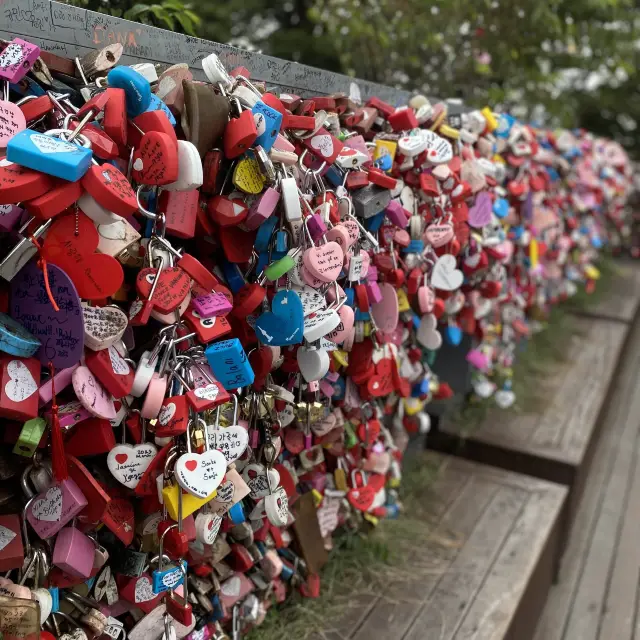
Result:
pixel 218 306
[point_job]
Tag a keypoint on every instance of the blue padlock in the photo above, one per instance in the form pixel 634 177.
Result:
pixel 501 207
pixel 414 246
pixel 415 320
pixel 49 155
pixel 374 223
pixel 230 364
pixel 27 87
pixel 505 122
pixel 268 122
pixel 361 315
pixel 282 242
pixel 218 611
pixel 15 339
pixel 137 89
pixel 334 176
pixel 265 231
pixel 453 334
pixel 169 578
pixel 351 296
pixel 236 513
pixel 157 105
pixel 232 275
pixel 384 162
pixel 55 599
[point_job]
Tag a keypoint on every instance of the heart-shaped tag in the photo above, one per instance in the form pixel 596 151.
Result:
pixel 174 286
pixel 49 508
pixel 93 396
pixel 128 463
pixel 201 473
pixel 427 334
pixel 504 398
pixel 103 326
pixel 347 319
pixel 21 384
pixel 324 144
pixel 313 363
pixel 255 475
pixel 232 441
pixel 445 276
pixel 155 162
pixel 324 262
pixel 96 276
pixel 312 300
pixel 320 324
pixel 284 324
pixel 385 312
pixel 361 498
pixel 143 590
pixel 439 234
pixel 480 212
pixel 60 332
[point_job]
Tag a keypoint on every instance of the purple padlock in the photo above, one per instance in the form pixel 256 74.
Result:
pixel 212 305
pixel 261 209
pixel 17 59
pixel 9 217
pixel 74 552
pixel 50 510
pixel 372 274
pixel 317 227
pixel 395 212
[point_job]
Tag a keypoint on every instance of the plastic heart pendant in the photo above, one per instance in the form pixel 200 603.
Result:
pixel 504 398
pixel 439 234
pixel 427 334
pixel 361 498
pixel 445 276
pixel 231 441
pixel 453 334
pixel 128 463
pixel 313 363
pixel 284 324
pixel 426 298
pixel 340 333
pixel 92 395
pixel 173 288
pixel 201 473
pixel 155 162
pixel 95 275
pixel 103 326
pixel 324 262
pixel 480 212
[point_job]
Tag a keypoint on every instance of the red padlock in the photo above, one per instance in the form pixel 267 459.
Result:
pixel 239 135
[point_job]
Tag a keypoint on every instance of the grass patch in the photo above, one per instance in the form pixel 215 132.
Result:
pixel 364 563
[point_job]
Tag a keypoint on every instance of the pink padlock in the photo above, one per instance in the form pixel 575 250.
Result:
pixel 397 214
pixel 373 290
pixel 271 564
pixel 9 588
pixel 17 59
pixel 212 305
pixel 317 227
pixel 426 299
pixel 74 552
pixel 52 509
pixel 261 209
pixel 62 380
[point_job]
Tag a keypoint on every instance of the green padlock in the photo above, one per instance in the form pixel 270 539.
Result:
pixel 350 438
pixel 30 436
pixel 277 269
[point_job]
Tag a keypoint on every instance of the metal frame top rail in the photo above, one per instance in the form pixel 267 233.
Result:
pixel 71 31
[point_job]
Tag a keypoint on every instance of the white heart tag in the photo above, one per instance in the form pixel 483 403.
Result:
pixel 427 335
pixel 6 536
pixel 201 473
pixel 128 463
pixel 21 384
pixel 320 324
pixel 323 144
pixel 232 441
pixel 276 506
pixel 445 276
pixel 144 590
pixel 103 326
pixel 504 398
pixel 49 508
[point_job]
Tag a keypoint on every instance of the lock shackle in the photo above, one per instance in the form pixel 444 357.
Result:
pixel 145 212
pixel 307 170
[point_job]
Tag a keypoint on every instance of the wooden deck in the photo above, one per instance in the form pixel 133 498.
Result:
pixel 490 585
pixel 597 595
pixel 621 300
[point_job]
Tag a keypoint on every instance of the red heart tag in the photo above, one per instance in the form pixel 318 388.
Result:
pixel 155 162
pixel 96 276
pixel 361 498
pixel 110 188
pixel 172 288
pixel 19 183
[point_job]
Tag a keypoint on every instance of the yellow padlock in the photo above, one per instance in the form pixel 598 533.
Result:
pixel 385 148
pixel 189 502
pixel 317 497
pixel 448 132
pixel 403 300
pixel 340 357
pixel 533 253
pixel 412 406
pixel 247 176
pixel 492 122
pixel 593 273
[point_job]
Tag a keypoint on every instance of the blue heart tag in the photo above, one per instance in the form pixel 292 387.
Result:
pixel 284 324
pixel 136 87
pixel 501 207
pixel 453 335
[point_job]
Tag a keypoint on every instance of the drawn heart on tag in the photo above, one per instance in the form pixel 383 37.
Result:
pixel 6 536
pixel 504 398
pixel 128 463
pixel 93 396
pixel 96 276
pixel 201 473
pixel 284 324
pixel 361 498
pixel 324 144
pixel 276 506
pixel 439 234
pixel 324 262
pixel 166 413
pixel 21 384
pixel 49 508
pixel 103 326
pixel 171 291
pixel 232 441
pixel 207 527
pixel 445 276
pixel 427 334
pixel 480 212
pixel 143 590
pixel 231 587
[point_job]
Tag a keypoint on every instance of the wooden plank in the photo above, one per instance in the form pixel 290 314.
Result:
pixel 589 557
pixel 621 299
pixel 553 443
pixel 503 520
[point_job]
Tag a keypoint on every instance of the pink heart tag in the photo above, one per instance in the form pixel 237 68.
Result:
pixel 426 299
pixel 347 317
pixel 439 234
pixel 324 262
pixel 480 212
